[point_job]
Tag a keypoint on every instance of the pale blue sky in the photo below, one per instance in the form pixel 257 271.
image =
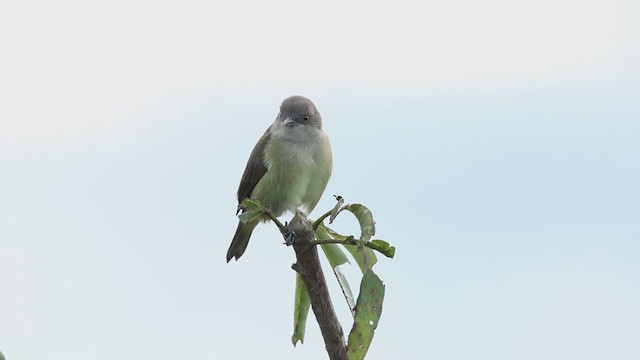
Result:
pixel 498 148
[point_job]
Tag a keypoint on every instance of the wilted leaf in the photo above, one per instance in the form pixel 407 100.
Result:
pixel 346 289
pixel 300 311
pixel 336 209
pixel 368 311
pixel 365 218
pixel 336 257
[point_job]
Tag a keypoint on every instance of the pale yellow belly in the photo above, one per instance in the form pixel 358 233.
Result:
pixel 296 177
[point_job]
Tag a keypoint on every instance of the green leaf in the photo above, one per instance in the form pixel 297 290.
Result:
pixel 364 257
pixel 336 257
pixel 330 233
pixel 300 311
pixel 251 210
pixel 365 218
pixel 383 247
pixel 250 204
pixel 248 216
pixel 368 311
pixel 333 252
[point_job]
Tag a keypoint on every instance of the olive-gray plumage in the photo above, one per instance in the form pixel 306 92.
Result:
pixel 288 168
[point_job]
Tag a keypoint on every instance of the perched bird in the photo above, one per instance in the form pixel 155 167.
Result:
pixel 288 168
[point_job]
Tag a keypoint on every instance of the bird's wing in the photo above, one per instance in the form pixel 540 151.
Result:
pixel 255 170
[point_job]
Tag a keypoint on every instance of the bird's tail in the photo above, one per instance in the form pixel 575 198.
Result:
pixel 241 239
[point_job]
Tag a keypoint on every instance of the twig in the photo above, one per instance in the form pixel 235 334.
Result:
pixel 321 219
pixel 282 227
pixel 331 213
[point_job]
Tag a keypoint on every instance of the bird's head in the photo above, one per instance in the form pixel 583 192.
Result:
pixel 298 110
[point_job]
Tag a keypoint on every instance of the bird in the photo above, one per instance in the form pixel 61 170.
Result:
pixel 288 169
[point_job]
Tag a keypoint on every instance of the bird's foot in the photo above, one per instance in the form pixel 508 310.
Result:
pixel 289 236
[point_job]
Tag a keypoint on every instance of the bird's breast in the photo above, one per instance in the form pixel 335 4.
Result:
pixel 298 171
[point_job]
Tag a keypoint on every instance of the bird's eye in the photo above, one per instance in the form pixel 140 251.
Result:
pixel 306 118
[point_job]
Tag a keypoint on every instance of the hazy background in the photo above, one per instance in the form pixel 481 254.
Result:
pixel 497 144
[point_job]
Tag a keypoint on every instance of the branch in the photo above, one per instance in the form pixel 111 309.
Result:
pixel 380 246
pixel 308 265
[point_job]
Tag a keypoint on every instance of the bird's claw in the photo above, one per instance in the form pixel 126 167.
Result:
pixel 289 236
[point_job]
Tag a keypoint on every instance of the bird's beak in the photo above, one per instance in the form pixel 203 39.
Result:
pixel 290 122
